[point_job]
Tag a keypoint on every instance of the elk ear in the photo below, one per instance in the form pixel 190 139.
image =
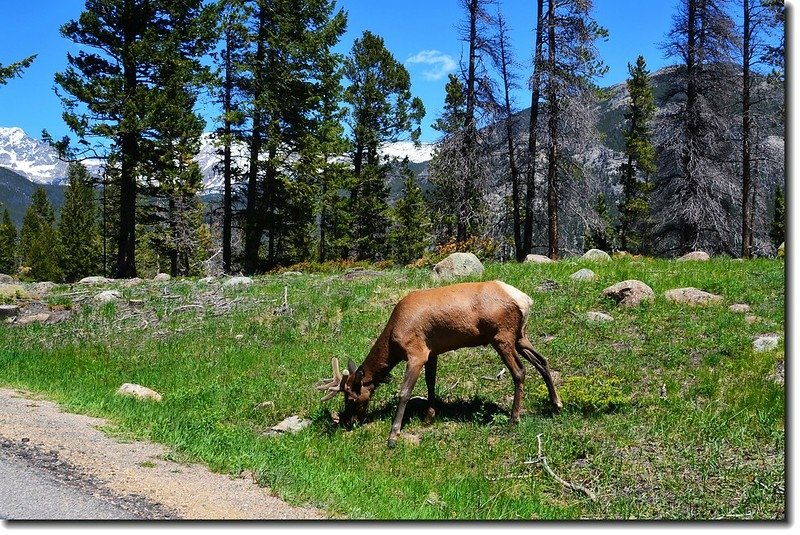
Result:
pixel 351 366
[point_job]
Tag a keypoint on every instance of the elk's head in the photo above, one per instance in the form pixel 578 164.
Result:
pixel 356 396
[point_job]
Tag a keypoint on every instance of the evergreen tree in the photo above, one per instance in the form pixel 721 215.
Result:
pixel 39 246
pixel 410 232
pixel 15 69
pixel 602 236
pixel 381 110
pixel 8 244
pixel 289 76
pixel 693 145
pixel 118 87
pixel 78 227
pixel 444 166
pixel 635 208
pixel 777 228
pixel 571 63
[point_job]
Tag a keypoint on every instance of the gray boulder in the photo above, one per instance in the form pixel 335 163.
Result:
pixel 238 281
pixel 766 342
pixel 739 308
pixel 584 275
pixel 291 424
pixel 596 255
pixel 97 279
pixel 6 279
pixel 537 259
pixel 692 296
pixel 162 277
pixel 107 296
pixel 598 317
pixel 629 293
pixel 700 256
pixel 138 391
pixel 458 265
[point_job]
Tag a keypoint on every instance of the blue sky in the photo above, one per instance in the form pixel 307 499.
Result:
pixel 423 34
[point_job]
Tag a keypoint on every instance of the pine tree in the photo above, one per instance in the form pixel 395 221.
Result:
pixel 635 208
pixel 8 244
pixel 571 63
pixel 777 228
pixel 381 110
pixel 78 227
pixel 15 69
pixel 602 236
pixel 133 54
pixel 410 232
pixel 693 145
pixel 289 76
pixel 39 245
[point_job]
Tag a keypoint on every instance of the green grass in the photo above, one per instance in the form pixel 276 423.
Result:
pixel 712 448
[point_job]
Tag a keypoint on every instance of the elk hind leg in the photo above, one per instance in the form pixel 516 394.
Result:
pixel 430 381
pixel 525 348
pixel 507 351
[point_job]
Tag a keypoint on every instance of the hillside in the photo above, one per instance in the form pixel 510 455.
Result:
pixel 16 192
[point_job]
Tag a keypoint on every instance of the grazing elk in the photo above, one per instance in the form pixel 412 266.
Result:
pixel 427 323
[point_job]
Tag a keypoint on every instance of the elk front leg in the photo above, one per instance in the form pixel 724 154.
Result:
pixel 412 374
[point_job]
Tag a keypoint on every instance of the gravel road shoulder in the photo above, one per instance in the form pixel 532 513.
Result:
pixel 133 475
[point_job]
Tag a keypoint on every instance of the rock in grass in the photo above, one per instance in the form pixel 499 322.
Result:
pixel 766 342
pixel 138 392
pixel 238 281
pixel 97 279
pixel 584 275
pixel 598 317
pixel 42 317
pixel 537 259
pixel 162 277
pixel 107 296
pixel 458 265
pixel 596 255
pixel 629 293
pixel 691 296
pixel 6 279
pixel 700 256
pixel 739 308
pixel 292 424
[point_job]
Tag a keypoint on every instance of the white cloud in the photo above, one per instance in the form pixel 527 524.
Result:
pixel 441 63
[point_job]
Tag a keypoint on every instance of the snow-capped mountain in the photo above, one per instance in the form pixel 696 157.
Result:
pixel 38 162
pixel 32 158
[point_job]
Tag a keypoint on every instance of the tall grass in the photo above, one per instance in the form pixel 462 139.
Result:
pixel 669 413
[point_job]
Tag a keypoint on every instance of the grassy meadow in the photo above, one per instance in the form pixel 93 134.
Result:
pixel 669 412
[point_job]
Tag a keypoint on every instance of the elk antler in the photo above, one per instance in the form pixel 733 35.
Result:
pixel 333 385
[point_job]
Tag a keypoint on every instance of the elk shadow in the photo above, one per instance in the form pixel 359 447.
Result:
pixel 475 409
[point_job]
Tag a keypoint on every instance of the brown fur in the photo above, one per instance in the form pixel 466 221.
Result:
pixel 427 323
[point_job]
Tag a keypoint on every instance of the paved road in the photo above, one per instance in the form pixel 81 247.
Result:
pixel 29 493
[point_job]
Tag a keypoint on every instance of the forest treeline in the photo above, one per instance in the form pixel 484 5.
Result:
pixel 301 129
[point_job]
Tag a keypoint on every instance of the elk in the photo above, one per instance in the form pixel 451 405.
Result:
pixel 425 324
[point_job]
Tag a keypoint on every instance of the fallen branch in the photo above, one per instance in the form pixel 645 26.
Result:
pixel 543 460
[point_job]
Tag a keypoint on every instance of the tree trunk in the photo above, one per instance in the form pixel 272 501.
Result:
pixel 470 134
pixel 552 126
pixel 530 185
pixel 227 210
pixel 129 145
pixel 747 207
pixel 253 221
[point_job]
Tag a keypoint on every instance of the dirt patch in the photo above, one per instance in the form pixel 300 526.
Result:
pixel 135 472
